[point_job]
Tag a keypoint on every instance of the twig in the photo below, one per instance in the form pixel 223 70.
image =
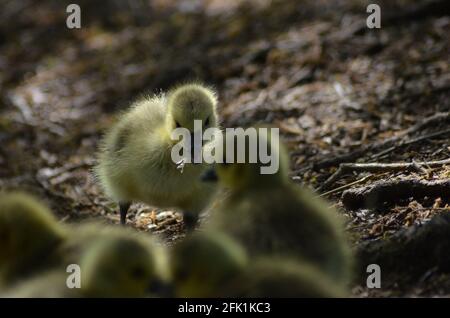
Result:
pixel 410 142
pixel 380 167
pixel 346 186
pixel 433 120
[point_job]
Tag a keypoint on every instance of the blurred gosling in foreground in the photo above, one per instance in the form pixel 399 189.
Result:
pixel 213 265
pixel 135 161
pixel 32 242
pixel 270 215
pixel 203 263
pixel 113 266
pixel 28 235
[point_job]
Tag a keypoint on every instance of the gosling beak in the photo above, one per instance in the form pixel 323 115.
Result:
pixel 160 288
pixel 209 176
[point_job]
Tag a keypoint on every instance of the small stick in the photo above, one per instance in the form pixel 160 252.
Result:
pixel 410 142
pixel 433 120
pixel 346 186
pixel 380 167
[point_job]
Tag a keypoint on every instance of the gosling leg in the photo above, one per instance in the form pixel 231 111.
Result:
pixel 190 220
pixel 123 207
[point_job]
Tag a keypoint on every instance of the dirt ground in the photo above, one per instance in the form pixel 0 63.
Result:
pixel 338 91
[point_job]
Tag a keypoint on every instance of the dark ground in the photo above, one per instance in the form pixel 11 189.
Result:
pixel 334 87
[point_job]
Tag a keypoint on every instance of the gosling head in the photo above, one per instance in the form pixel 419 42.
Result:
pixel 242 165
pixel 120 266
pixel 27 229
pixel 191 102
pixel 204 263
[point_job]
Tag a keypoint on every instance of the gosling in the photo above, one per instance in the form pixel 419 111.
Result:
pixel 113 266
pixel 282 277
pixel 135 162
pixel 205 262
pixel 33 242
pixel 270 215
pixel 29 234
pixel 211 264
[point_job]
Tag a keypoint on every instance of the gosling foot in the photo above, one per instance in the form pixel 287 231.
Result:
pixel 123 207
pixel 190 220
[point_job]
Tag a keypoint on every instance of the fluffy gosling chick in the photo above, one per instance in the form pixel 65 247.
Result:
pixel 284 278
pixel 28 234
pixel 113 266
pixel 122 267
pixel 214 265
pixel 135 161
pixel 203 263
pixel 270 215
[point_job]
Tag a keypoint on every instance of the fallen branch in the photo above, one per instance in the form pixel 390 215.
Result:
pixel 381 167
pixel 434 120
pixel 410 142
pixel 390 192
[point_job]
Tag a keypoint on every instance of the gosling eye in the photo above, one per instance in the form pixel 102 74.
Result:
pixel 177 124
pixel 207 122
